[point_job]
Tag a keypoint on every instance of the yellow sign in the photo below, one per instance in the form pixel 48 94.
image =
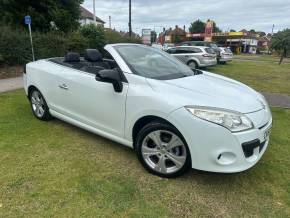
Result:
pixel 236 33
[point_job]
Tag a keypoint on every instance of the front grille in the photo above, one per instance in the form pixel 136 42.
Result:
pixel 249 147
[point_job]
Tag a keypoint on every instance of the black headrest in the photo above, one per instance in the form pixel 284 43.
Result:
pixel 72 57
pixel 93 55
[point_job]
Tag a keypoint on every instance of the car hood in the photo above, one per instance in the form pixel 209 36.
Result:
pixel 209 90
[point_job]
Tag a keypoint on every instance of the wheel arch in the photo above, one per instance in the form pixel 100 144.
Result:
pixel 143 121
pixel 33 87
pixel 30 89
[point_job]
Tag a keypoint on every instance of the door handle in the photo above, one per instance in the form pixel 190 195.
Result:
pixel 63 86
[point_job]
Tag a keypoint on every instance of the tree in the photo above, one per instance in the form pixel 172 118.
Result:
pixel 232 30
pixel 63 13
pixel 281 43
pixel 261 33
pixel 197 27
pixel 216 29
pixel 252 31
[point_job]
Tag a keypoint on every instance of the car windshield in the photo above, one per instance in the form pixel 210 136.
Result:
pixel 228 50
pixel 214 46
pixel 152 63
pixel 209 50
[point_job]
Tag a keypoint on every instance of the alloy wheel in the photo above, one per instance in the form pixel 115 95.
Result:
pixel 38 104
pixel 192 65
pixel 164 151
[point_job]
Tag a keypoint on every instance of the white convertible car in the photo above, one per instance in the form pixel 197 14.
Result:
pixel 175 118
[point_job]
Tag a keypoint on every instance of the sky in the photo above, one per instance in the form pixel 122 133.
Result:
pixel 228 14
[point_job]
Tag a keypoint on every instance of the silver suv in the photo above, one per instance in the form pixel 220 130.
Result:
pixel 194 56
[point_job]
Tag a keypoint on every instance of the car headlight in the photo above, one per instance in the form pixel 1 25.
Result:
pixel 234 121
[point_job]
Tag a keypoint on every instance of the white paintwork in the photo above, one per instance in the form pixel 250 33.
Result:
pixel 96 107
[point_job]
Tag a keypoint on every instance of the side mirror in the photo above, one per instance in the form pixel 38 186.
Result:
pixel 111 76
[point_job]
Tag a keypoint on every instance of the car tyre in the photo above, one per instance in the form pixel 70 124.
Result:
pixel 192 64
pixel 39 106
pixel 162 150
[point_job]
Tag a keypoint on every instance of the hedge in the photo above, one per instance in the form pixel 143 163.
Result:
pixel 15 43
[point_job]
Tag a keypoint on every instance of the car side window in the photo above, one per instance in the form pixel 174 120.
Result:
pixel 199 44
pixel 196 50
pixel 180 51
pixel 183 51
pixel 171 51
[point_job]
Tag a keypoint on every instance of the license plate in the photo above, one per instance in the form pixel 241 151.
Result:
pixel 267 134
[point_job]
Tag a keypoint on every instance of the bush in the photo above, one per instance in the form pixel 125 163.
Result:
pixel 49 45
pixel 113 36
pixel 14 46
pixel 76 42
pixel 95 35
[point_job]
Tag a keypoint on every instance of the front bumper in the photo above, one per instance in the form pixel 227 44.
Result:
pixel 214 148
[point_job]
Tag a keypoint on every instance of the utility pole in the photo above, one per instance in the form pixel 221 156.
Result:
pixel 130 23
pixel 270 49
pixel 273 29
pixel 94 6
pixel 110 22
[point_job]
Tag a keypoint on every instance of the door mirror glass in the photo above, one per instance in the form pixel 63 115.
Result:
pixel 111 76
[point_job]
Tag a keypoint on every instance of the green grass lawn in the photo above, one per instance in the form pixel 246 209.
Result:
pixel 263 76
pixel 268 58
pixel 52 169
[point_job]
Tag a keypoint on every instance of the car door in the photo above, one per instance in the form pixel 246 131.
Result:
pixel 181 54
pixel 186 54
pixel 93 102
pixel 196 53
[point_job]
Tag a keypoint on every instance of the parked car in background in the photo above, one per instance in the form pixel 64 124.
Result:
pixel 174 118
pixel 159 46
pixel 194 56
pixel 167 46
pixel 212 45
pixel 226 55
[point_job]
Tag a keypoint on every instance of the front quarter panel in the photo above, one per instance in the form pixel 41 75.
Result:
pixel 143 100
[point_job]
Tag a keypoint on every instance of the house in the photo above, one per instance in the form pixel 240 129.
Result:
pixel 172 35
pixel 87 17
pixel 264 44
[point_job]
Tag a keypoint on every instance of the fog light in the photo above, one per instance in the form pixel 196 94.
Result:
pixel 226 158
